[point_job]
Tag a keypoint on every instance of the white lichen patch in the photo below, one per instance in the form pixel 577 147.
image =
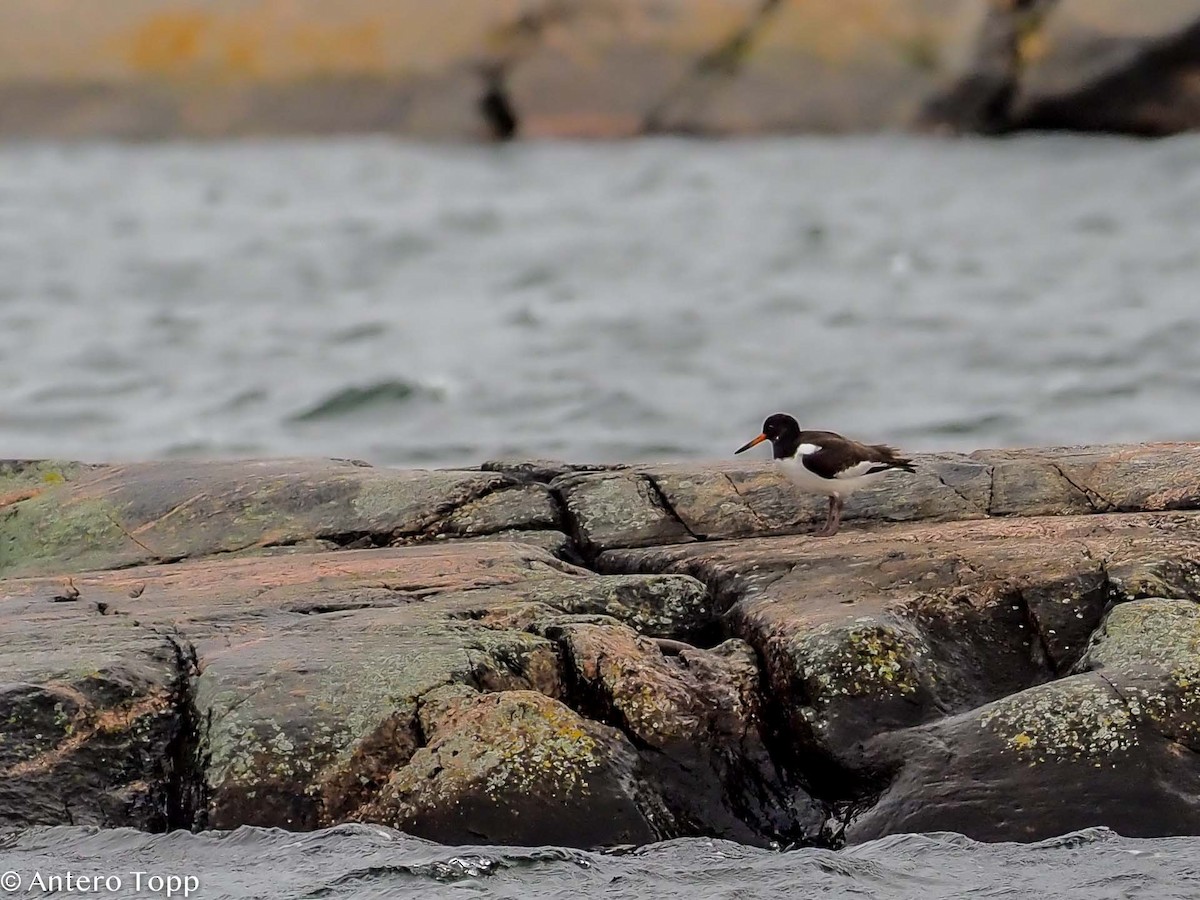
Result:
pixel 866 658
pixel 1153 645
pixel 1152 634
pixel 1174 706
pixel 1073 719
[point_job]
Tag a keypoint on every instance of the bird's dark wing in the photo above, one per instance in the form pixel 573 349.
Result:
pixel 837 457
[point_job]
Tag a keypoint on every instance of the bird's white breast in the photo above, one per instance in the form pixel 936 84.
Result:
pixel 846 482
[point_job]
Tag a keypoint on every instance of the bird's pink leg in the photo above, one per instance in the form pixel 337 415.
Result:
pixel 837 514
pixel 834 520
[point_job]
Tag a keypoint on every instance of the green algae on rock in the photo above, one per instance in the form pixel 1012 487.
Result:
pixel 1104 742
pixel 21 476
pixel 117 516
pixel 864 658
pixel 1054 759
pixel 618 510
pixel 1157 634
pixel 308 683
pixel 918 663
pixel 1151 649
pixel 675 606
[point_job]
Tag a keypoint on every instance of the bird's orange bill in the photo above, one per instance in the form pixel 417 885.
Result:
pixel 754 443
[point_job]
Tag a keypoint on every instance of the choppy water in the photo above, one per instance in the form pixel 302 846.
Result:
pixel 366 862
pixel 442 304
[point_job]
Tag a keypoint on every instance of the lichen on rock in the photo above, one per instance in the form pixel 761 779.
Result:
pixel 1078 718
pixel 865 657
pixel 518 766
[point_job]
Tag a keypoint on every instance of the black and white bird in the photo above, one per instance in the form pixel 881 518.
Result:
pixel 826 463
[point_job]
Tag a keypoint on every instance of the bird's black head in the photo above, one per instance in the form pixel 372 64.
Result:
pixel 782 431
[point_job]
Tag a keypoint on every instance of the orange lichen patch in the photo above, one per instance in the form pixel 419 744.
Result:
pixel 1032 47
pixel 252 40
pixel 170 42
pixel 256 44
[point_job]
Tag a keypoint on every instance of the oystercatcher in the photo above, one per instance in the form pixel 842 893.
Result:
pixel 826 463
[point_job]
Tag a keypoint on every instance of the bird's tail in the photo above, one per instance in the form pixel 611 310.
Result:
pixel 891 457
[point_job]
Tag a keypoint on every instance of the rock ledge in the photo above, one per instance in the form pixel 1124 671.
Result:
pixel 1005 645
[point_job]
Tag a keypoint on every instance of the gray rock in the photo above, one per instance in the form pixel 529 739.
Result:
pixel 618 510
pixel 1050 760
pixel 888 652
pixel 543 766
pixel 116 516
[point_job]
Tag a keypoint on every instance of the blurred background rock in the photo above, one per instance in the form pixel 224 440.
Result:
pixel 469 69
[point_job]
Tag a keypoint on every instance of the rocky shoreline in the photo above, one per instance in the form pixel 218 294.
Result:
pixel 1005 645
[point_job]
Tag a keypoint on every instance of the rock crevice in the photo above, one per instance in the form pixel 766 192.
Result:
pixel 185 800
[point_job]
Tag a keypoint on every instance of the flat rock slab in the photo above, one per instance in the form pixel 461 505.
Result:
pixel 58 518
pixel 650 506
pixel 75 519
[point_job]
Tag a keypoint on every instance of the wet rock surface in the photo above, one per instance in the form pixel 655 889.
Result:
pixel 1005 644
pixel 1123 732
pixel 308 673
